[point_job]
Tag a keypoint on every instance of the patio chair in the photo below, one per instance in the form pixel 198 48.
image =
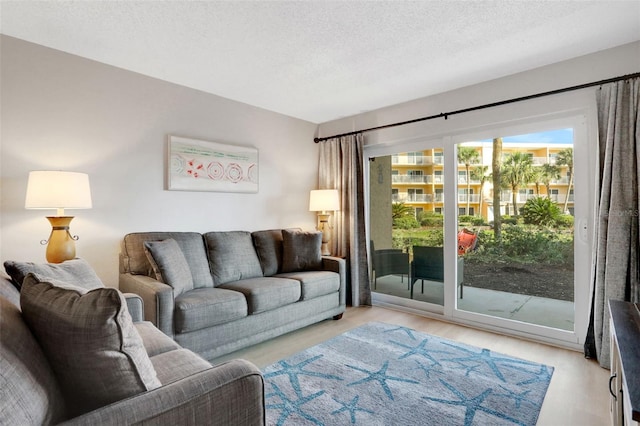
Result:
pixel 389 262
pixel 467 241
pixel 428 264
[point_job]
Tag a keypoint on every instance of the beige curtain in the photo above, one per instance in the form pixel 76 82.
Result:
pixel 341 167
pixel 617 242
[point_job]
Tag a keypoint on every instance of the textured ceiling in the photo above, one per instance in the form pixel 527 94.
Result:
pixel 321 60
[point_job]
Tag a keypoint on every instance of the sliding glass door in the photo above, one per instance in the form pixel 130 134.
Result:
pixel 406 206
pixel 486 227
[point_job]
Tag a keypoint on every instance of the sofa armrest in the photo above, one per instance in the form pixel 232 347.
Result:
pixel 339 265
pixel 135 305
pixel 157 299
pixel 228 394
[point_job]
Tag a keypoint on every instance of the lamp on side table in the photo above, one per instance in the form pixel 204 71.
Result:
pixel 324 201
pixel 58 190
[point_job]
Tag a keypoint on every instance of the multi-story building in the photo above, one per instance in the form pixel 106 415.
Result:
pixel 418 180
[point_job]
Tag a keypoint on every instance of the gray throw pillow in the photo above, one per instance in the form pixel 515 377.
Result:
pixel 169 264
pixel 232 256
pixel 301 251
pixel 75 271
pixel 89 340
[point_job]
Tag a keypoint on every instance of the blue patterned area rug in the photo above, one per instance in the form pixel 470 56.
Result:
pixel 383 374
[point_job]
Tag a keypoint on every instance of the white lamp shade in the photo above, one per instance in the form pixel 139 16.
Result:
pixel 58 190
pixel 324 200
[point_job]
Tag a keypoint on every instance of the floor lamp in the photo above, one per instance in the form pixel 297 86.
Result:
pixel 58 190
pixel 324 201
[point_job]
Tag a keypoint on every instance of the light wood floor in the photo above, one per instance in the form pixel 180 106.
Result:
pixel 577 394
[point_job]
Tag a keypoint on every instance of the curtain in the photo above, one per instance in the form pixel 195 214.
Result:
pixel 617 237
pixel 341 167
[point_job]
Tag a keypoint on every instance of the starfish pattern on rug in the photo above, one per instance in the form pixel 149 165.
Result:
pixel 295 370
pixel 485 356
pixel 351 407
pixel 290 406
pixel 544 375
pixel 420 349
pixel 472 404
pixel 518 397
pixel 381 377
pixel 405 329
pixel 427 369
pixel 367 376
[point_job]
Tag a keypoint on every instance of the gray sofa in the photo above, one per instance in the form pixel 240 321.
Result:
pixel 218 292
pixel 35 390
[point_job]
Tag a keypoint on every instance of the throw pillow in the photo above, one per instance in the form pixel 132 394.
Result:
pixel 301 251
pixel 89 340
pixel 232 256
pixel 75 271
pixel 169 264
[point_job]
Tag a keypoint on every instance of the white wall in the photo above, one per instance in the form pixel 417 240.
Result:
pixel 63 112
pixel 609 63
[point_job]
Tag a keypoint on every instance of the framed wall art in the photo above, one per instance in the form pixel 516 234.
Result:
pixel 196 165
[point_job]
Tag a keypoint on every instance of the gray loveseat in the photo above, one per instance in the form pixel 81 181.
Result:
pixel 218 292
pixel 35 390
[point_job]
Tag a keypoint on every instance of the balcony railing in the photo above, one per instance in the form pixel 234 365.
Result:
pixel 473 198
pixel 463 180
pixel 411 178
pixel 417 179
pixel 417 198
pixel 403 160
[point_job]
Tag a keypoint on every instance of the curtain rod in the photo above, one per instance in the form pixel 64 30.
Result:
pixel 446 115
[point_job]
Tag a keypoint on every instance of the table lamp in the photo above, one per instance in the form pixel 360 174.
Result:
pixel 324 201
pixel 58 190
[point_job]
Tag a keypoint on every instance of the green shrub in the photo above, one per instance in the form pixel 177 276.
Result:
pixel 540 211
pixel 508 220
pixel 405 239
pixel 465 218
pixel 524 244
pixel 478 221
pixel 406 222
pixel 564 221
pixel 431 219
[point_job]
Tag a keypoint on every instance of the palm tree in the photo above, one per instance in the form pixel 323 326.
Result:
pixel 516 171
pixel 496 161
pixel 399 210
pixel 536 178
pixel 549 172
pixel 480 174
pixel 565 158
pixel 468 156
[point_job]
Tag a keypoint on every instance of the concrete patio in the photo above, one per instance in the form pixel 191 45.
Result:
pixel 531 309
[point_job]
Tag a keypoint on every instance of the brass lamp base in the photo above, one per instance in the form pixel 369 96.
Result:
pixel 325 228
pixel 61 245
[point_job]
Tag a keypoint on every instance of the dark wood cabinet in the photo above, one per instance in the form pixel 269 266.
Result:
pixel 624 385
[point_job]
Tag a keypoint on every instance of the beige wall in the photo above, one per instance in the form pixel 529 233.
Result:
pixel 609 63
pixel 64 112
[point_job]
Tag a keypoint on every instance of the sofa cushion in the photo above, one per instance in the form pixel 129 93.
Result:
pixel 266 293
pixel 178 364
pixel 268 246
pixel 301 251
pixel 206 307
pixel 315 283
pixel 135 260
pixel 169 264
pixel 30 392
pixel 75 272
pixel 89 339
pixel 232 256
pixel 155 341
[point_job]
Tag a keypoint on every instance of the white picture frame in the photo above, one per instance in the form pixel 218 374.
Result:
pixel 197 165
